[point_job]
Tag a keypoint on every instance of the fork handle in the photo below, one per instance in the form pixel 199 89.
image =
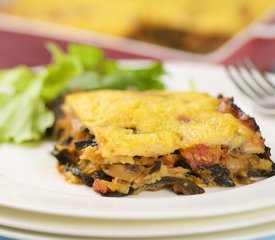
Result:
pixel 267 102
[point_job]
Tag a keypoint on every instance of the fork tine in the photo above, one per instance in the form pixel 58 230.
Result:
pixel 235 81
pixel 252 65
pixel 247 80
pixel 241 76
pixel 258 81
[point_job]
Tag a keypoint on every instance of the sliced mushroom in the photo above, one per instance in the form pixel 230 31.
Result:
pixel 182 163
pixel 63 156
pixel 178 185
pixel 102 175
pixel 85 143
pixel 221 176
pixel 126 172
pixel 118 194
pixel 156 167
pixel 266 168
pixel 67 141
pixel 87 180
pixel 186 187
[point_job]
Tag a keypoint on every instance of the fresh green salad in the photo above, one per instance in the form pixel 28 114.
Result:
pixel 26 93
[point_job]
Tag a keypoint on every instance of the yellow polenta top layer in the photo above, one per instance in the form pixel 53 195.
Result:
pixel 153 123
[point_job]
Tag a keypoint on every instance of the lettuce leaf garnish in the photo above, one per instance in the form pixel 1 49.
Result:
pixel 26 93
pixel 93 71
pixel 23 112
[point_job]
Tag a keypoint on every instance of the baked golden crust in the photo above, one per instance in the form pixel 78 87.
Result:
pixel 162 121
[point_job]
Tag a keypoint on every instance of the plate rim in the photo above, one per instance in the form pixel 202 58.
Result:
pixel 234 222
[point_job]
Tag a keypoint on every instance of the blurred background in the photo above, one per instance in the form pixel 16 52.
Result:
pixel 218 31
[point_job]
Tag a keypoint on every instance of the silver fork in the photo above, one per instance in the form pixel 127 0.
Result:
pixel 254 84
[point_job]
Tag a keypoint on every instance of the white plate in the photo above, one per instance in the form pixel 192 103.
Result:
pixel 86 227
pixel 29 180
pixel 256 232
